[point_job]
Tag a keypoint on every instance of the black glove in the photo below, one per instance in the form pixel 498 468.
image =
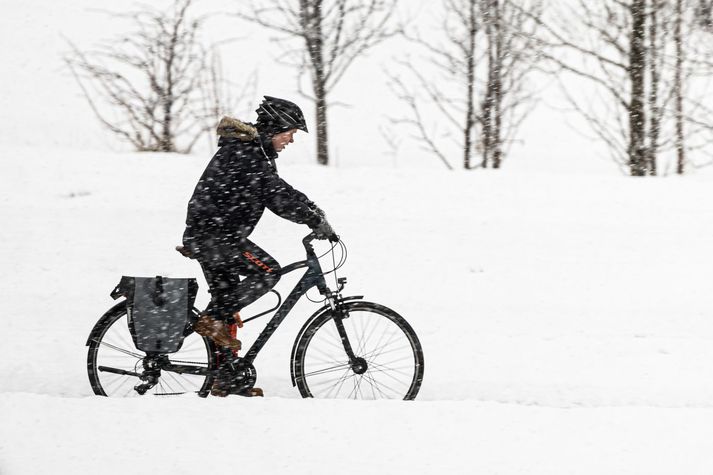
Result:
pixel 324 231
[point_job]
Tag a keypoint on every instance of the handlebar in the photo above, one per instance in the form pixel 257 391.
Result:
pixel 311 256
pixel 312 236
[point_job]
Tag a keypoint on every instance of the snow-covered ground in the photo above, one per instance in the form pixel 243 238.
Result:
pixel 565 320
pixel 565 311
pixel 45 434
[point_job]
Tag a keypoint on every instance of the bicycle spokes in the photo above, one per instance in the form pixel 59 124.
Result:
pixel 383 365
pixel 116 368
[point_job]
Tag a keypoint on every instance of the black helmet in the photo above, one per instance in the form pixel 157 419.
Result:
pixel 279 115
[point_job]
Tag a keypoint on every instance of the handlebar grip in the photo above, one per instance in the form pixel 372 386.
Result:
pixel 312 236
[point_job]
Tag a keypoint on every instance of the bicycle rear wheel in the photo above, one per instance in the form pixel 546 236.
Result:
pixel 390 356
pixel 114 365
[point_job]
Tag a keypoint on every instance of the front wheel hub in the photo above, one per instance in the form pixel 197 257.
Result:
pixel 359 366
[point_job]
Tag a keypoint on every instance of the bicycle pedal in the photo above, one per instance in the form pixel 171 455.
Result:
pixel 143 388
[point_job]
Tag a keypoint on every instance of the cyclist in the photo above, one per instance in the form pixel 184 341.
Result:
pixel 239 183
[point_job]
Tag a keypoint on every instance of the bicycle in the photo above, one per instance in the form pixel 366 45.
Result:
pixel 349 348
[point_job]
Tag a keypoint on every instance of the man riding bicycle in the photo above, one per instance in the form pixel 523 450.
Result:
pixel 238 184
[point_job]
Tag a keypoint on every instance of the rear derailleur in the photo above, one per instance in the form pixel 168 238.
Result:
pixel 151 374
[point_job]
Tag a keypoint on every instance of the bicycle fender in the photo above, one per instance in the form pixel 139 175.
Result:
pixel 314 316
pixel 119 307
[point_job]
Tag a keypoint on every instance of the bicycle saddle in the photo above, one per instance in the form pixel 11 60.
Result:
pixel 185 252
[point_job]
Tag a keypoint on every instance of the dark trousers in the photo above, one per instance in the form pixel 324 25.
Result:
pixel 224 261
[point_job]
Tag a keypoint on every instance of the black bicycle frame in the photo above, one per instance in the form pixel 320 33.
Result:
pixel 314 277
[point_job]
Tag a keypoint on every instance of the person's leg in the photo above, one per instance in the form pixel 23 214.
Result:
pixel 215 260
pixel 223 263
pixel 260 270
pixel 231 294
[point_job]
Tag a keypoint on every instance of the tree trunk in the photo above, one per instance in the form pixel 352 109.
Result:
pixel 166 144
pixel 321 114
pixel 496 140
pixel 487 110
pixel 167 138
pixel 312 25
pixel 654 109
pixel 678 89
pixel 470 107
pixel 637 66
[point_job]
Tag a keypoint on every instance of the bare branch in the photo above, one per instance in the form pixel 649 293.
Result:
pixel 331 36
pixel 156 79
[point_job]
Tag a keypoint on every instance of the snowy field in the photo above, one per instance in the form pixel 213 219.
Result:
pixel 565 319
pixel 565 311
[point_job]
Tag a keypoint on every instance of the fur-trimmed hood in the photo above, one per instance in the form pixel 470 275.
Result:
pixel 235 129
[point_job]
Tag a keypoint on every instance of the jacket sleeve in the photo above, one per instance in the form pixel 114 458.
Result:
pixel 286 202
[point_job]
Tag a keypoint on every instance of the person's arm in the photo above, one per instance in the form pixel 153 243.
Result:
pixel 285 201
pixel 296 194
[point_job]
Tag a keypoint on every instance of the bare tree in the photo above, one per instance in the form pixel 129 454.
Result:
pixel 605 43
pixel 468 49
pixel 482 106
pixel 332 34
pixel 655 47
pixel 678 87
pixel 490 130
pixel 511 56
pixel 636 71
pixel 640 56
pixel 155 87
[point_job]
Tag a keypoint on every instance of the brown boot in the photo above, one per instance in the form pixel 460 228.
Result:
pixel 220 389
pixel 217 331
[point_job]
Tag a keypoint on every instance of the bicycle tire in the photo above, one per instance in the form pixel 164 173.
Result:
pixel 320 363
pixel 124 355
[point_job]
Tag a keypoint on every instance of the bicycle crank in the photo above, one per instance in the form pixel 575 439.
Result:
pixel 244 376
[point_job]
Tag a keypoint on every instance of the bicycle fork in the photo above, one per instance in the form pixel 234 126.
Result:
pixel 358 364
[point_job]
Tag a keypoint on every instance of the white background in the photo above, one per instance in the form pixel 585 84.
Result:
pixel 564 309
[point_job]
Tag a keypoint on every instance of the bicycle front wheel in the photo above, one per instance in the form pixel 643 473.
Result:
pixel 389 356
pixel 115 366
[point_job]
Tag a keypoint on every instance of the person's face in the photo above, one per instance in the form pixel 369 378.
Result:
pixel 280 141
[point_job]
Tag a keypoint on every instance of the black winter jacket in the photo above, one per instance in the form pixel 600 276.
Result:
pixel 239 183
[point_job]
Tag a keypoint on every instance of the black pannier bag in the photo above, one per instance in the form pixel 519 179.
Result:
pixel 159 310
